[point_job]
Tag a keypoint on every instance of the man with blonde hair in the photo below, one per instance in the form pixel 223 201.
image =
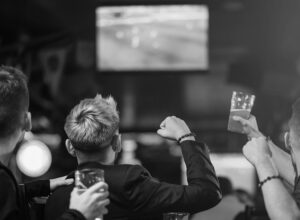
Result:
pixel 93 131
pixel 15 120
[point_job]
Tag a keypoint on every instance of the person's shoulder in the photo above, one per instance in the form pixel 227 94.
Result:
pixel 60 196
pixel 129 169
pixel 58 202
pixel 6 179
pixel 125 173
pixel 62 191
pixel 7 187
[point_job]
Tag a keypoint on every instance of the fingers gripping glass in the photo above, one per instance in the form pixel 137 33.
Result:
pixel 85 178
pixel 241 105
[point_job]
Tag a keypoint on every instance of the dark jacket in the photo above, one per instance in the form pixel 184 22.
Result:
pixel 134 194
pixel 14 197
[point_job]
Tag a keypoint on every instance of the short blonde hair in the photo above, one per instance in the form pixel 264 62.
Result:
pixel 92 123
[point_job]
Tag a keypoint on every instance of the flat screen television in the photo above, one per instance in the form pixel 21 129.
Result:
pixel 157 37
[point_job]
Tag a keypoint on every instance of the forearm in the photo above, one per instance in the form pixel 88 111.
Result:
pixel 200 172
pixel 198 163
pixel 283 163
pixel 279 203
pixel 202 192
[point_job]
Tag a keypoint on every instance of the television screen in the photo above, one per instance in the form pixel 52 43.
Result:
pixel 152 37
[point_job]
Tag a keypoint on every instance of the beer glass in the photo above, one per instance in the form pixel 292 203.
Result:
pixel 241 105
pixel 85 178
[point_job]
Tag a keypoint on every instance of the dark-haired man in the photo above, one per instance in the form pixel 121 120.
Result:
pixel 276 168
pixel 15 120
pixel 93 131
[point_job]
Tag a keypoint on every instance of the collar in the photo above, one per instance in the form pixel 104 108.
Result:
pixel 90 164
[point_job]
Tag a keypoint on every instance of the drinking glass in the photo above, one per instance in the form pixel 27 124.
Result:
pixel 241 105
pixel 85 178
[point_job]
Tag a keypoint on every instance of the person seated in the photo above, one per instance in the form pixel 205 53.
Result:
pixel 276 169
pixel 92 128
pixel 15 120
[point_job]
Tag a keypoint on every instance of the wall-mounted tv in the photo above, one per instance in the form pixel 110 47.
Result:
pixel 158 37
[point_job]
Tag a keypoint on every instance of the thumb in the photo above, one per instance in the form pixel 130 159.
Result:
pixel 163 132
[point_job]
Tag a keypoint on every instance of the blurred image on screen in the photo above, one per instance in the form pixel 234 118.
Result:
pixel 149 38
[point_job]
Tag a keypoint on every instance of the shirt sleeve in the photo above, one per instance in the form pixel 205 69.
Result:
pixel 146 195
pixel 9 209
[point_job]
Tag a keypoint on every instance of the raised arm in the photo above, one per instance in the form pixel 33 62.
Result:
pixel 279 203
pixel 281 159
pixel 147 195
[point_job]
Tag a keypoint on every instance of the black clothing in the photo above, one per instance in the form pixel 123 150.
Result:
pixel 14 197
pixel 134 194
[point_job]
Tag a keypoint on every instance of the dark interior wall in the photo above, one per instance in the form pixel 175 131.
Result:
pixel 269 28
pixel 262 34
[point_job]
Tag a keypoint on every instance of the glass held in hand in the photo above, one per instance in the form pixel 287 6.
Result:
pixel 241 105
pixel 85 178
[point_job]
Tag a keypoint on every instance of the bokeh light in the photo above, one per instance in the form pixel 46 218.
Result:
pixel 34 158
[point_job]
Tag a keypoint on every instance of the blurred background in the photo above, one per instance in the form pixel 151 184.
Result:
pixel 157 58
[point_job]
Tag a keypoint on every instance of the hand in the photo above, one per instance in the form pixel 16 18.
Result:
pixel 250 127
pixel 60 181
pixel 92 202
pixel 173 128
pixel 257 151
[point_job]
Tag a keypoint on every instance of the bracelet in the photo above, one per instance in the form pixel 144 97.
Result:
pixel 186 135
pixel 261 183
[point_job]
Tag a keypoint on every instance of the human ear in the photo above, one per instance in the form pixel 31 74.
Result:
pixel 287 141
pixel 70 148
pixel 27 123
pixel 116 143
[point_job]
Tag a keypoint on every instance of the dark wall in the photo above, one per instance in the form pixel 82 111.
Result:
pixel 253 45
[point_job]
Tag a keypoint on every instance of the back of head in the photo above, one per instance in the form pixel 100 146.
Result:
pixel 14 100
pixel 92 123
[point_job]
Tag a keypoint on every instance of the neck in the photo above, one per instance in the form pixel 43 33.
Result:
pixel 5 158
pixel 6 150
pixel 106 158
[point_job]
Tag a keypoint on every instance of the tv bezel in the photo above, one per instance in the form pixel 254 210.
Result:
pixel 112 3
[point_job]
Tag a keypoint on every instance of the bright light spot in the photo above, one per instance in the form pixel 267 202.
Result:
pixel 156 45
pixel 135 42
pixel 120 34
pixel 189 26
pixel 129 145
pixel 153 34
pixel 135 30
pixel 34 158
